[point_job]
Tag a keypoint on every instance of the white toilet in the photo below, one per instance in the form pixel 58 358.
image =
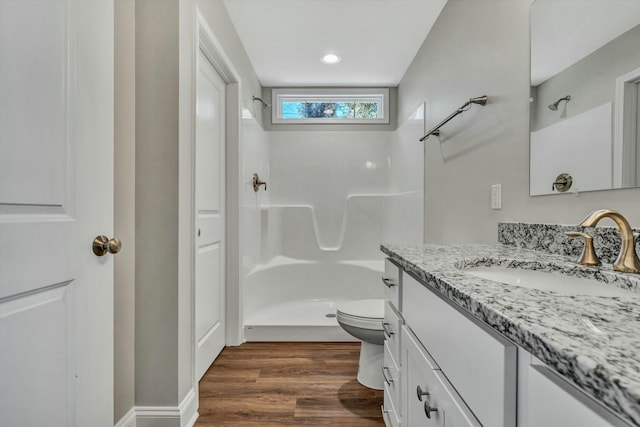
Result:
pixel 363 320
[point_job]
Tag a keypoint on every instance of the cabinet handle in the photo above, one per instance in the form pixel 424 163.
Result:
pixel 420 392
pixel 386 380
pixel 388 282
pixel 428 409
pixel 385 416
pixel 387 332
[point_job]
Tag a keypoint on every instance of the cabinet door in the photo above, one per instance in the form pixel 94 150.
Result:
pixel 428 398
pixel 477 360
pixel 551 402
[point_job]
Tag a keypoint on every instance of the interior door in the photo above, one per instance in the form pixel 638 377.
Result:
pixel 56 195
pixel 210 291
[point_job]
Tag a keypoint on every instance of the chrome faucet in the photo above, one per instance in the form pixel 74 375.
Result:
pixel 627 260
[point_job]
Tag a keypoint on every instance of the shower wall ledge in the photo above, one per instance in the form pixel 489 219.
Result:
pixel 376 265
pixel 293 230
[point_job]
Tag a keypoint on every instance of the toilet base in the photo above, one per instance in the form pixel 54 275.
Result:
pixel 370 367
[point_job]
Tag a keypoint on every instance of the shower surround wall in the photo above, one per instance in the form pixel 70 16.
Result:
pixel 333 198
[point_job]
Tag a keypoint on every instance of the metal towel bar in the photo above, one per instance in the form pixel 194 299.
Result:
pixel 480 100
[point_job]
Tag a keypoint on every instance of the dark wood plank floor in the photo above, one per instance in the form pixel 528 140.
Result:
pixel 287 384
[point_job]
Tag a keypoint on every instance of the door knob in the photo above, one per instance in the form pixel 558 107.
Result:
pixel 102 245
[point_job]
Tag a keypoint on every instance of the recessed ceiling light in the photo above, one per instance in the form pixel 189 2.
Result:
pixel 331 58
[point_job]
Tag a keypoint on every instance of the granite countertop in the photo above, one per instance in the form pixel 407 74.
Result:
pixel 592 341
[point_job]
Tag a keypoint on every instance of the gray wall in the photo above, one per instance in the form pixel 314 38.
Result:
pixel 154 98
pixel 124 218
pixel 477 48
pixel 590 82
pixel 222 27
pixel 156 315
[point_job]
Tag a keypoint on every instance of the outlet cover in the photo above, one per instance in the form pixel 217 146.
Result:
pixel 496 196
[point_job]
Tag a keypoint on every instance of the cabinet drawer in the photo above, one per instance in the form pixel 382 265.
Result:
pixel 428 397
pixel 391 324
pixel 479 362
pixel 389 411
pixel 391 279
pixel 391 373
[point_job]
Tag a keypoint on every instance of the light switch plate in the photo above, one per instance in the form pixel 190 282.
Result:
pixel 496 196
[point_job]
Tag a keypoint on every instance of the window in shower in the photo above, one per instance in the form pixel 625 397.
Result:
pixel 357 105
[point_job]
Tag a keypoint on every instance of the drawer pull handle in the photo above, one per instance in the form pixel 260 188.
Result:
pixel 388 282
pixel 386 413
pixel 420 392
pixel 428 409
pixel 386 379
pixel 387 332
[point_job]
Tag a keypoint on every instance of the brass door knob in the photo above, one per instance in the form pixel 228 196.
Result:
pixel 102 245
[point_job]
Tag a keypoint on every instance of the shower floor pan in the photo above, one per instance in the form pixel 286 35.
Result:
pixel 296 321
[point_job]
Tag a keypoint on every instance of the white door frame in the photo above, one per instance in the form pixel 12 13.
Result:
pixel 212 49
pixel 625 129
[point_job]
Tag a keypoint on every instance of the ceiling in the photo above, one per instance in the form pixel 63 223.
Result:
pixel 377 39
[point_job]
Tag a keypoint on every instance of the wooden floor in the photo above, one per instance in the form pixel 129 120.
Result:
pixel 288 384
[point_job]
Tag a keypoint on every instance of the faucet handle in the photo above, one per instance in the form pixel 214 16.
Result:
pixel 588 256
pixel 257 182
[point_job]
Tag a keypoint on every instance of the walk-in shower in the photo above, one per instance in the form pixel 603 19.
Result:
pixel 333 197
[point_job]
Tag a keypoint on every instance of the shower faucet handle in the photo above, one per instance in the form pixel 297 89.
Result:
pixel 257 183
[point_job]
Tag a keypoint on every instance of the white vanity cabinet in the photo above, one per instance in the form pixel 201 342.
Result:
pixel 392 324
pixel 429 398
pixel 480 364
pixel 547 400
pixel 447 368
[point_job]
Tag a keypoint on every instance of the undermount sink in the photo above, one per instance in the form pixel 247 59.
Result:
pixel 548 281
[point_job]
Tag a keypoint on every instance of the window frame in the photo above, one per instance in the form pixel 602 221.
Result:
pixel 280 95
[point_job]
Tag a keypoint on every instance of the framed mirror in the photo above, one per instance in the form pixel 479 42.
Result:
pixel 585 95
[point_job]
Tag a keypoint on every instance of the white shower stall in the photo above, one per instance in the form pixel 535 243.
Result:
pixel 312 239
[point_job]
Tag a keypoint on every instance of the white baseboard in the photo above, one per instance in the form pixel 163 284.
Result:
pixel 189 409
pixel 129 420
pixel 183 415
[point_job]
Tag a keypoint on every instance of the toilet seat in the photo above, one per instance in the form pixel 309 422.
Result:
pixel 366 314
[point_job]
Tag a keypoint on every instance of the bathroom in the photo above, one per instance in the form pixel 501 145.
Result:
pixel 474 48
pixel 487 146
pixel 442 196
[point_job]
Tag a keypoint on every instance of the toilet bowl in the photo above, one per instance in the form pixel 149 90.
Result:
pixel 362 319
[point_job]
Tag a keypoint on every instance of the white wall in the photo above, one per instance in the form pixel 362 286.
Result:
pixel 337 195
pixel 405 212
pixel 482 48
pixel 327 171
pixel 255 159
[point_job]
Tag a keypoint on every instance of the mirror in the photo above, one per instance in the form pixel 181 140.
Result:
pixel 585 95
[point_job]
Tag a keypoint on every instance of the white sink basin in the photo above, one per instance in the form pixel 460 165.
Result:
pixel 546 281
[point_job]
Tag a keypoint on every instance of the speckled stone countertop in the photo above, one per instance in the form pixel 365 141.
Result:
pixel 592 341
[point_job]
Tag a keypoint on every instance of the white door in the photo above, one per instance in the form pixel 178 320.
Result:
pixel 210 220
pixel 56 195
